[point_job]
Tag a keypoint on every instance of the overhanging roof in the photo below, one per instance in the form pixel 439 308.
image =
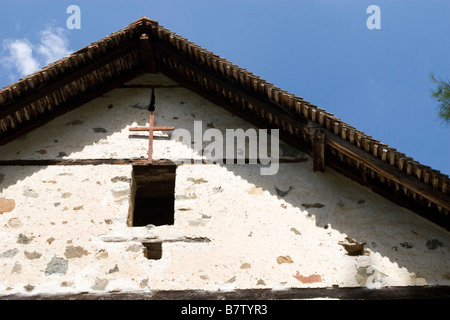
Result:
pixel 146 47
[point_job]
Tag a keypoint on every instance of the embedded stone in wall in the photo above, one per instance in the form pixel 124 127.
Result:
pixel 255 190
pixel 282 193
pixel 187 196
pixel 100 284
pixel 121 179
pixel 260 282
pixel 9 253
pixel 370 277
pixel 6 205
pixel 75 252
pixel 32 255
pixel 197 181
pixel 57 266
pixel 434 244
pixel 309 279
pixel 197 223
pixel 15 223
pixel 407 245
pixel 143 283
pixel 284 259
pixel 115 269
pixel 28 288
pixel 30 193
pixel 23 239
pixel 312 205
pixel 17 268
pixel 353 247
pixel 102 254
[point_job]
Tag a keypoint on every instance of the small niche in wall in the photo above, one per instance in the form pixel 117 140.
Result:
pixel 153 250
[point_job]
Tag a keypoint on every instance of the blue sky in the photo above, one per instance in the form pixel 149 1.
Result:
pixel 375 80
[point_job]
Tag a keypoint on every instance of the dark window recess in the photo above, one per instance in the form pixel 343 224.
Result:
pixel 154 195
pixel 153 250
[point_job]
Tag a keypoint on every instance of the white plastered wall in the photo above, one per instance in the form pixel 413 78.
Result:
pixel 63 228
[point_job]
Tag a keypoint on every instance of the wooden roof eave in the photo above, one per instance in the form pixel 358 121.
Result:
pixel 65 78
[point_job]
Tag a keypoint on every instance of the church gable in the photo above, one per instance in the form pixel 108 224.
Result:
pixel 146 47
pixel 241 216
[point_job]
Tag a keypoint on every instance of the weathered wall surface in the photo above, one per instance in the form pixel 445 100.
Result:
pixel 63 229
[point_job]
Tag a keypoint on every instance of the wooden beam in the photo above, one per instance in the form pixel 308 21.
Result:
pixel 149 86
pixel 318 150
pixel 148 58
pixel 75 162
pixel 130 161
pixel 390 293
pixel 388 171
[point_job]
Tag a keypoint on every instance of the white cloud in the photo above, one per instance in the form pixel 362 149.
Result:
pixel 54 45
pixel 20 56
pixel 23 58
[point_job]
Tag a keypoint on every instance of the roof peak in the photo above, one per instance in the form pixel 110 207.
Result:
pixel 146 21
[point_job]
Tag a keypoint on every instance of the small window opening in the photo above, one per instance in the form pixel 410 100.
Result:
pixel 153 195
pixel 153 250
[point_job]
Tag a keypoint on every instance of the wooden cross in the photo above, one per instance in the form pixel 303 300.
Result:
pixel 150 130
